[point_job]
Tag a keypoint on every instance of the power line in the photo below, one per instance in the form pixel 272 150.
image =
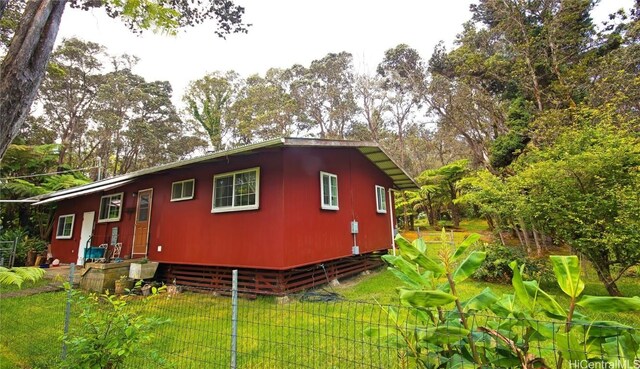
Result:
pixel 49 174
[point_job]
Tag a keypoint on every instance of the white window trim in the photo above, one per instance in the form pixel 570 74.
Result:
pixel 63 237
pixel 231 208
pixel 379 210
pixel 322 204
pixel 119 210
pixel 193 190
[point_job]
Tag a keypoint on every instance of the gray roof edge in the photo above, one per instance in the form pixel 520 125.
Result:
pixel 276 142
pixel 399 167
pixel 159 168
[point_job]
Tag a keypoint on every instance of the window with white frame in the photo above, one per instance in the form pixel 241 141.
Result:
pixel 236 191
pixel 65 226
pixel 328 191
pixel 110 208
pixel 182 190
pixel 381 201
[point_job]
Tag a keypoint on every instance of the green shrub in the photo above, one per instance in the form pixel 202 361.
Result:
pixel 25 243
pixel 110 333
pixel 496 265
pixel 445 333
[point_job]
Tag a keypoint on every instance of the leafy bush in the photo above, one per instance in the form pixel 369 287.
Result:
pixel 496 265
pixel 25 243
pixel 110 332
pixel 509 334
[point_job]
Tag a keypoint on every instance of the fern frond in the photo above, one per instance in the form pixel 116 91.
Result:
pixel 29 273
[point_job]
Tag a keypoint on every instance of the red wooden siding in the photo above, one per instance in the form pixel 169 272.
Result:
pixel 189 233
pixel 289 229
pixel 314 235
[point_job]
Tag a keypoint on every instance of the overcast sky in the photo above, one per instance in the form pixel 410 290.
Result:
pixel 284 33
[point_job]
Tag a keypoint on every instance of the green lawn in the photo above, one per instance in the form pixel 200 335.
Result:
pixel 298 334
pixel 26 284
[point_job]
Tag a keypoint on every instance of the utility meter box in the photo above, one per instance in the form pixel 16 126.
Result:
pixel 355 250
pixel 354 227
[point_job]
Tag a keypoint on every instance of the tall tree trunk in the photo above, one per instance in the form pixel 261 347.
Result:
pixel 490 222
pixel 604 275
pixel 455 215
pixel 405 216
pixel 536 239
pixel 431 214
pixel 501 238
pixel 499 227
pixel 24 65
pixel 515 229
pixel 525 235
pixel 455 210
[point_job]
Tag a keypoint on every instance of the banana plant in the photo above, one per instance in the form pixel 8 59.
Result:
pixel 576 338
pixel 429 287
pixel 445 333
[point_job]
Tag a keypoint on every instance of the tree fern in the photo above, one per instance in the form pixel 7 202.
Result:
pixel 17 276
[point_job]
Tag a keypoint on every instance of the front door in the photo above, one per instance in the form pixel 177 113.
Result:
pixel 85 234
pixel 141 227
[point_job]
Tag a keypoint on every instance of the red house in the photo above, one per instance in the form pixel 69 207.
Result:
pixel 288 213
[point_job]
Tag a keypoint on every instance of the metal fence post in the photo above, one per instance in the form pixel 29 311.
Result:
pixel 234 318
pixel 67 311
pixel 12 257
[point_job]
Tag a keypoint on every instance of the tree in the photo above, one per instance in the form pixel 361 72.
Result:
pixel 403 76
pixel 264 109
pixel 373 103
pixel 18 166
pixel 10 12
pixel 137 125
pixel 23 67
pixel 585 189
pixel 324 94
pixel 440 189
pixel 209 101
pixel 514 61
pixel 68 92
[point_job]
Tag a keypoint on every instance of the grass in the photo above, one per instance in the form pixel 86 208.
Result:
pixel 30 328
pixel 466 225
pixel 26 284
pixel 292 335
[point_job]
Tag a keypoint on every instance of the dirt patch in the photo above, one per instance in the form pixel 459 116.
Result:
pixel 51 287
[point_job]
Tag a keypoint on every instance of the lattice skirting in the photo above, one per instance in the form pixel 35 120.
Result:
pixel 265 281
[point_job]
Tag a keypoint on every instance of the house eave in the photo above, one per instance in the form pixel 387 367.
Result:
pixel 371 150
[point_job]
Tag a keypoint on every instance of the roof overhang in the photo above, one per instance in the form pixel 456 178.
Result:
pixel 86 191
pixel 371 150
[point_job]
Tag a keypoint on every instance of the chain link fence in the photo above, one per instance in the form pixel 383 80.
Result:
pixel 209 328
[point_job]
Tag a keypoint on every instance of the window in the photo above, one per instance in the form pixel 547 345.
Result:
pixel 182 190
pixel 329 191
pixel 65 226
pixel 110 208
pixel 236 191
pixel 381 201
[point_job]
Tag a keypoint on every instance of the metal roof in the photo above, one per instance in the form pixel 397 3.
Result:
pixel 371 150
pixel 86 191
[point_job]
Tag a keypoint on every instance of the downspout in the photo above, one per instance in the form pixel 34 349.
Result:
pixel 393 242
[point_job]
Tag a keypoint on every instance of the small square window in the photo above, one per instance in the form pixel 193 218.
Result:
pixel 328 191
pixel 182 190
pixel 110 208
pixel 65 226
pixel 381 200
